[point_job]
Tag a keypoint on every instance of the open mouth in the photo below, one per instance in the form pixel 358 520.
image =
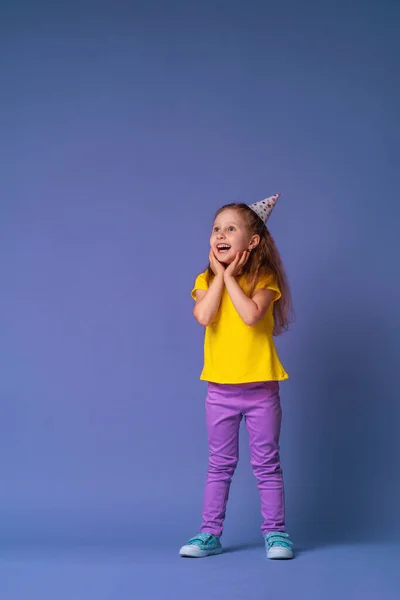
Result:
pixel 223 248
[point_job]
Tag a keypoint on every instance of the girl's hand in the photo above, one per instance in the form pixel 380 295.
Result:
pixel 236 266
pixel 216 267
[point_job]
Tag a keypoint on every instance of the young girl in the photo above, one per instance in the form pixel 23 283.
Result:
pixel 242 300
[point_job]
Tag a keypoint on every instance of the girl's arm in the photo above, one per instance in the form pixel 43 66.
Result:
pixel 250 309
pixel 207 302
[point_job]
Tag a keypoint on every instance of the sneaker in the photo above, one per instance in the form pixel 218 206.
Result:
pixel 203 544
pixel 278 545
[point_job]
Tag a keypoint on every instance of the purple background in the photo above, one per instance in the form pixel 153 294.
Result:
pixel 124 127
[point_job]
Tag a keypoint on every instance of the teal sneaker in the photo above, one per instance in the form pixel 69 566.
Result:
pixel 203 544
pixel 278 545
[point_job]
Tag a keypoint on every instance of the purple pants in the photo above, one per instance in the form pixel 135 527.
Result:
pixel 226 405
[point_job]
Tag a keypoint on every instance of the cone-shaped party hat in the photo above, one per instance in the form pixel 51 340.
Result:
pixel 265 207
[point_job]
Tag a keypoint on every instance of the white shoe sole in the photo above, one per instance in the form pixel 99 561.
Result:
pixel 196 552
pixel 279 553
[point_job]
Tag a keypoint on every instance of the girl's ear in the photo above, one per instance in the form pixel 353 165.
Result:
pixel 255 240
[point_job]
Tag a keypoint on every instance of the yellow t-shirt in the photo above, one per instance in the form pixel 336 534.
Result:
pixel 235 352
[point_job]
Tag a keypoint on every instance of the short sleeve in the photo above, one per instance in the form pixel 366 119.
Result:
pixel 201 283
pixel 269 282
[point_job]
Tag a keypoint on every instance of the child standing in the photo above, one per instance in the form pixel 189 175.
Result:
pixel 242 300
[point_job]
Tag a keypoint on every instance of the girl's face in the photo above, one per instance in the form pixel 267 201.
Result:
pixel 230 235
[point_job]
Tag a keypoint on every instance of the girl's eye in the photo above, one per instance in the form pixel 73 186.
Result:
pixel 231 228
pixel 216 229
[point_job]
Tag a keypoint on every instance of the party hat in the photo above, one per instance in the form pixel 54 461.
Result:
pixel 265 207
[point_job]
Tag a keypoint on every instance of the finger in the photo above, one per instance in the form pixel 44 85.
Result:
pixel 243 261
pixel 238 260
pixel 215 257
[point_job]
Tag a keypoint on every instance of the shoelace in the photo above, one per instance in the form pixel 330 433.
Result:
pixel 278 538
pixel 202 537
